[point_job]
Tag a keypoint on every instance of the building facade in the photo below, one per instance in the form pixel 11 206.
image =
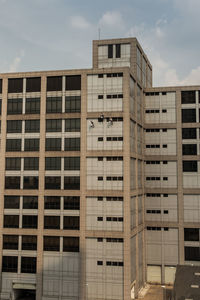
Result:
pixel 99 178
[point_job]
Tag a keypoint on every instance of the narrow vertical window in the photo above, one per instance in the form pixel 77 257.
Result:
pixel 110 51
pixel 118 51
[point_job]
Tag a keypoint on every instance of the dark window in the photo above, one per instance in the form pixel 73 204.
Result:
pixel 72 202
pixel 188 97
pixel 14 106
pixel 31 144
pixel 13 163
pixel 52 183
pixel 118 51
pixel 0 86
pixel 72 182
pixel 192 253
pixel 53 144
pixel 51 222
pixel 99 263
pixel 72 163
pixel 191 234
pixel 110 51
pixel 54 125
pixel 32 105
pixel 32 125
pixel 190 166
pixel 30 182
pixel 14 126
pixel 54 83
pixel 189 149
pixel 73 82
pixel 72 144
pixel 12 182
pixel 189 133
pixel 0 105
pixel 70 244
pixel 51 243
pixel 13 145
pixel 188 115
pixel 29 242
pixel 33 84
pixel 11 221
pixel 31 163
pixel 29 221
pixel 54 105
pixel 15 85
pixel 52 202
pixel 10 242
pixel 11 202
pixel 72 104
pixel 71 222
pixel 28 264
pixel 99 218
pixel 52 163
pixel 9 264
pixel 72 125
pixel 30 202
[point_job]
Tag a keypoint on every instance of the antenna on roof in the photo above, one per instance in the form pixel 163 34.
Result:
pixel 99 30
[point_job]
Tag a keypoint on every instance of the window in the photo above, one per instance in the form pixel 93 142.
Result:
pixel 72 125
pixel 72 182
pixel 14 126
pixel 11 202
pixel 30 202
pixel 52 202
pixel 189 149
pixel 110 51
pixel 73 82
pixel 29 242
pixel 32 105
pixel 13 163
pixel 28 264
pixel 0 86
pixel 190 166
pixel 189 133
pixel 188 115
pixel 118 51
pixel 9 264
pixel 72 104
pixel 71 222
pixel 31 144
pixel 53 144
pixel 192 253
pixel 70 244
pixel 72 163
pixel 51 222
pixel 51 243
pixel 54 83
pixel 100 219
pixel 12 182
pixel 72 144
pixel 54 125
pixel 33 84
pixel 13 145
pixel 188 97
pixel 29 221
pixel 99 263
pixel 15 85
pixel 54 105
pixel 191 234
pixel 114 198
pixel 30 182
pixel 10 242
pixel 115 263
pixel 11 221
pixel 72 202
pixel 14 106
pixel 32 125
pixel 52 183
pixel 52 163
pixel 31 163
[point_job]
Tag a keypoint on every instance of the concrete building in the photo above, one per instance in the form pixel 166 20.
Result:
pixel 99 178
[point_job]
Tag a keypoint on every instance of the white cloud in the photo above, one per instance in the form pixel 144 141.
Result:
pixel 111 19
pixel 79 22
pixel 16 62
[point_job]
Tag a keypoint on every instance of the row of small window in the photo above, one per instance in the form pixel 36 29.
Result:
pixel 110 198
pixel 110 75
pixel 156 195
pixel 111 96
pixel 156 178
pixel 50 243
pixel 71 125
pixel 156 162
pixel 110 240
pixel 50 222
pixel 50 202
pixel 114 119
pixel 156 130
pixel 155 111
pixel 110 158
pixel 157 228
pixel 51 163
pixel 51 182
pixel 155 93
pixel 111 178
pixel 10 264
pixel 156 146
pixel 156 211
pixel 51 144
pixel 111 138
pixel 111 263
pixel 111 219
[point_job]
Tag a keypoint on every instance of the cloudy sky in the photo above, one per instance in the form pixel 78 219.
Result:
pixel 58 34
